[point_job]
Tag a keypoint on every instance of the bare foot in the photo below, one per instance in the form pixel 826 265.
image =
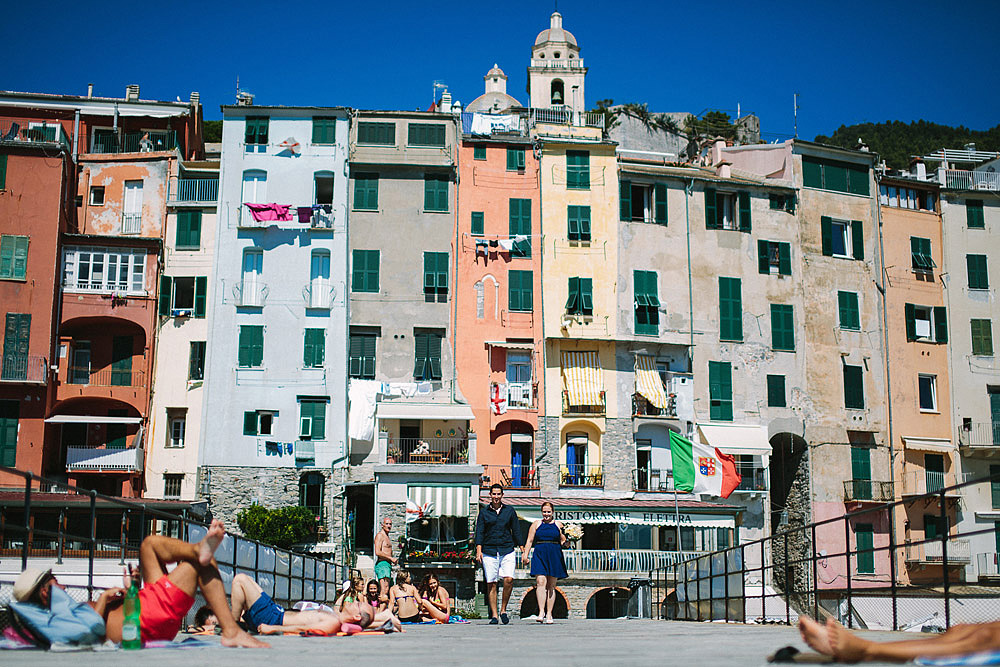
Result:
pixel 211 542
pixel 816 635
pixel 847 647
pixel 265 629
pixel 242 640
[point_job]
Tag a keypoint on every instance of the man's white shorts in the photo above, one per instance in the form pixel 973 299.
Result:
pixel 499 568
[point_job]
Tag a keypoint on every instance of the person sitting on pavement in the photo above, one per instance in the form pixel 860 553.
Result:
pixel 373 596
pixel 404 596
pixel 842 645
pixel 434 599
pixel 43 604
pixel 353 592
pixel 204 621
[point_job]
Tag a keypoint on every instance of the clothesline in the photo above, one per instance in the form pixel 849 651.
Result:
pixel 272 212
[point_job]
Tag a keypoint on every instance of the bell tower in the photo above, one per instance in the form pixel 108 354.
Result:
pixel 556 73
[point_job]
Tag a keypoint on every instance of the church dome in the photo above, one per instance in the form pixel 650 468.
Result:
pixel 495 72
pixel 555 32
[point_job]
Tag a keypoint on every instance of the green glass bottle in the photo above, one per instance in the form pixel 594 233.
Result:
pixel 131 637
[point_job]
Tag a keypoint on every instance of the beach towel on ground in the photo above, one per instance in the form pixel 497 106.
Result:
pixel 983 658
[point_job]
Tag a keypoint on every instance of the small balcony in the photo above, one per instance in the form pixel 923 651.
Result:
pixel 436 451
pixel 250 294
pixel 511 477
pixel 565 116
pixel 519 395
pixel 641 407
pixel 987 566
pixel 980 439
pixel 652 480
pixel 26 369
pixel 581 475
pixel 557 64
pixel 106 377
pixel 598 410
pixel 867 491
pixel 920 482
pixel 131 223
pixel 961 179
pixel 752 479
pixel 318 295
pixel 194 191
pixel 104 459
pixel 108 142
pixel 930 553
pixel 29 131
pixel 315 217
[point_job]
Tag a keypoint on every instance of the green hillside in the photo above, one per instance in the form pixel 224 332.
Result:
pixel 896 141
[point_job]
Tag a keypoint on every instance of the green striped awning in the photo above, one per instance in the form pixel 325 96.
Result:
pixel 445 500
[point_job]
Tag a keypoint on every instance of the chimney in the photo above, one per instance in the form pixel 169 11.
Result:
pixel 132 92
pixel 90 90
pixel 195 98
pixel 717 147
pixel 919 169
pixel 724 169
pixel 445 105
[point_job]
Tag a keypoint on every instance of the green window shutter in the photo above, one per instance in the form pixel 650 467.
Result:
pixel 647 319
pixel 854 391
pixel 861 463
pixel 974 216
pixel 20 265
pixel 776 391
pixel 858 239
pixel 977 270
pixel 578 170
pixel 324 130
pixel 425 134
pixel 478 223
pixel 584 215
pixel 785 259
pixel 250 423
pixel 519 291
pixel 857 180
pixel 782 327
pixel 515 159
pixel 864 535
pixel 366 192
pixel 181 237
pixel 194 229
pixel 940 324
pixel 573 300
pixel 587 296
pixel 519 223
pixel 910 316
pixel 847 305
pixel 365 271
pixel 812 173
pixel 355 355
pixel 521 163
pixel 711 210
pixel 3 171
pixel 435 193
pixel 730 309
pixel 165 288
pixel 744 202
pixel 420 366
pixel 379 134
pixel 763 258
pixel 251 347
pixel 314 348
pixel 436 276
pixel 479 153
pixel 6 256
pixel 315 411
pixel 982 337
pixel 625 200
pixel 720 390
pixel 826 226
pixel 572 223
pixel 200 295
pixel 660 203
pixel 368 353
pixel 434 354
pixel 835 176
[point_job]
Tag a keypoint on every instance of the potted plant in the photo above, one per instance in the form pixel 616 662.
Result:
pixel 392 455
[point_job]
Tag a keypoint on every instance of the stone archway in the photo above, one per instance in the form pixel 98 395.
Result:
pixel 529 604
pixel 610 602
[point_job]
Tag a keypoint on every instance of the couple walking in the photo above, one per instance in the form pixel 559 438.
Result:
pixel 497 538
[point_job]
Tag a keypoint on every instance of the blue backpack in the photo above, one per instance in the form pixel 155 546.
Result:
pixel 66 621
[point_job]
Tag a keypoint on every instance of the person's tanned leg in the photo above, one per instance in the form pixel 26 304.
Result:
pixel 550 596
pixel 245 591
pixel 834 640
pixel 508 588
pixel 491 598
pixel 540 593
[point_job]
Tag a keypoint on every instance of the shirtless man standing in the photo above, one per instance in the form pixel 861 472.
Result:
pixel 383 558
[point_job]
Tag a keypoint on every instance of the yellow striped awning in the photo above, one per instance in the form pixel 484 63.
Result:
pixel 582 377
pixel 444 500
pixel 648 382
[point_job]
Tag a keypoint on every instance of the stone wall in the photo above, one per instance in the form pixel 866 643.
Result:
pixel 618 454
pixel 548 467
pixel 577 591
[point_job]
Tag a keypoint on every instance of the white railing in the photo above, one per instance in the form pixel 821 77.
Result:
pixel 125 459
pixel 318 295
pixel 519 395
pixel 250 294
pixel 626 561
pixel 986 565
pixel 961 179
pixel 959 551
pixel 564 116
pixel 131 223
pixel 557 64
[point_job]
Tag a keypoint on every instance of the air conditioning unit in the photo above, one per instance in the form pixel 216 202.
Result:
pixel 181 312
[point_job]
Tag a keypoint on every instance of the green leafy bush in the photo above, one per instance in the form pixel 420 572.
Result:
pixel 280 527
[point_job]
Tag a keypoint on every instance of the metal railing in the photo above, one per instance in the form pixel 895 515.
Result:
pixel 641 407
pixel 250 294
pixel 565 116
pixel 24 368
pixel 429 450
pixel 652 480
pixel 961 179
pixel 105 459
pixel 318 295
pixel 194 189
pixel 30 131
pixel 106 377
pixel 825 566
pixel 581 474
pixel 512 476
pixel 519 395
pixel 569 409
pixel 980 435
pixel 865 490
pixel 131 223
pixel 919 482
pixel 987 566
pixel 621 560
pixel 752 479
pixel 133 142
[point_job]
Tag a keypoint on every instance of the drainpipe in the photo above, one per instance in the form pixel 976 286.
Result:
pixel 688 189
pixel 454 301
pixel 76 135
pixel 537 150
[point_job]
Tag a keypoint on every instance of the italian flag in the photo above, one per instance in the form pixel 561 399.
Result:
pixel 701 468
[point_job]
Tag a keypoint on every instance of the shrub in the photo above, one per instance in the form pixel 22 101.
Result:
pixel 280 527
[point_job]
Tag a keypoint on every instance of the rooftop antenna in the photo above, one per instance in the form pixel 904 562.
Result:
pixel 434 89
pixel 795 113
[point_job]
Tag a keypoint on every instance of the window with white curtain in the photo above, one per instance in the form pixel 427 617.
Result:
pixel 255 186
pixel 87 269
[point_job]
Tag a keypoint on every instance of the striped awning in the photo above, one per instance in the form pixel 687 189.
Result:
pixel 581 373
pixel 648 382
pixel 445 500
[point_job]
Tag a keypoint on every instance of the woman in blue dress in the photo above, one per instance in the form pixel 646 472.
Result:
pixel 547 564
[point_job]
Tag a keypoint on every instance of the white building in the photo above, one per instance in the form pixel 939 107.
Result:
pixel 274 426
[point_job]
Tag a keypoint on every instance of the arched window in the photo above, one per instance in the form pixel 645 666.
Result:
pixel 311 489
pixel 255 186
pixel 319 279
pixel 323 187
pixel 558 96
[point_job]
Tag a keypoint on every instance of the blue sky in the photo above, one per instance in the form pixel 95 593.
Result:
pixel 850 61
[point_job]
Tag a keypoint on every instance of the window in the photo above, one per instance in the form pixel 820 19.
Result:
pixel 323 188
pixel 727 210
pixel 515 159
pixel 978 276
pixel 364 271
pixel 842 238
pixel 17 330
pixel 427 355
pixel 259 422
pixel 836 176
pixel 519 291
pixel 902 197
pixel 982 337
pixel 256 134
pixel 376 134
pixel 13 257
pixel 730 309
pixel 172 485
pixel 361 356
pixel 478 223
pixel 88 269
pixel 995 488
pixel 926 323
pixel 647 303
pixel 850 314
pixel 3 186
pixel 435 193
pixel 854 390
pixel 518 367
pixel 425 134
pixel 254 187
pixel 314 348
pixel 642 202
pixel 861 464
pixel 974 217
pixel 782 327
pixel 934 476
pixel 251 348
pixel 927 389
pixel 320 289
pixel 312 419
pixel 251 286
pixel 578 170
pixel 864 537
pixel 578 218
pixel 435 277
pixel 196 361
pixel 176 426
pixel 720 391
pixel 580 301
pixel 97 195
pixel 366 192
pixel 479 152
pixel 324 130
pixel 774 257
pixel 188 235
pixel 519 224
pixel 782 202
pixel 311 491
pixel 776 391
pixel 183 297
pixel 920 254
pixel 79 372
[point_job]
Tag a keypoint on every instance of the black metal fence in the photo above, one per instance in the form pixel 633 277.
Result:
pixel 925 561
pixel 81 526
